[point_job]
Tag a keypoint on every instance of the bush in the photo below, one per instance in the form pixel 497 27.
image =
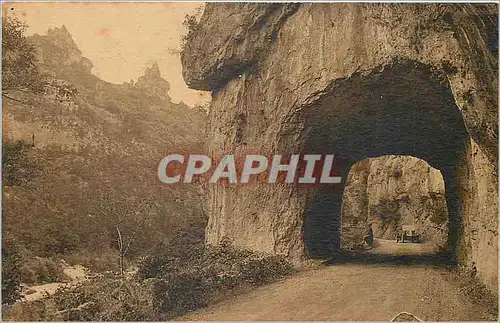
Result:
pixel 191 24
pixel 168 285
pixel 28 311
pixel 39 270
pixel 11 276
pixel 104 299
pixel 18 168
pixel 19 62
pixel 182 284
pixel 184 293
pixel 105 260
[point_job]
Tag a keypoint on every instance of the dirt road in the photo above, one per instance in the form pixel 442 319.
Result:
pixel 355 291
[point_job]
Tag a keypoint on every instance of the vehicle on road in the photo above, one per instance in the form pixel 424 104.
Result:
pixel 408 233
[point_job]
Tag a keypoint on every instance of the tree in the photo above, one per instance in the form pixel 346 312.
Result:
pixel 19 62
pixel 124 218
pixel 191 24
pixel 124 243
pixel 11 275
pixel 18 168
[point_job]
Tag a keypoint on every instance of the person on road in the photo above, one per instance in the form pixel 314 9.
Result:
pixel 368 237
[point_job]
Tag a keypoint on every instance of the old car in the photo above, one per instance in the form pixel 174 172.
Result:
pixel 408 233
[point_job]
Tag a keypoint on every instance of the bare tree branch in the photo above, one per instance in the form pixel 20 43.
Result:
pixel 123 252
pixel 133 235
pixel 11 98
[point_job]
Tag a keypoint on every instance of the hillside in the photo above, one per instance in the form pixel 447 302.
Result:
pixel 90 154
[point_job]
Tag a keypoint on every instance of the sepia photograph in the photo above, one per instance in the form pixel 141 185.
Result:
pixel 249 161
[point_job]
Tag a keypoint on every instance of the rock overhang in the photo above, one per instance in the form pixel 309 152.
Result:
pixel 357 38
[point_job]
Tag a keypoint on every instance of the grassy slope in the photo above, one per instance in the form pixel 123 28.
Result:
pixel 95 157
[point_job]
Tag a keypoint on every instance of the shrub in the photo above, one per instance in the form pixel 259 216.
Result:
pixel 18 168
pixel 103 299
pixel 105 260
pixel 184 293
pixel 185 283
pixel 19 62
pixel 38 310
pixel 192 26
pixel 39 270
pixel 11 276
pixel 168 284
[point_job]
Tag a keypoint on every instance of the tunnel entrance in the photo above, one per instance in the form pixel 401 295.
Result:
pixel 403 109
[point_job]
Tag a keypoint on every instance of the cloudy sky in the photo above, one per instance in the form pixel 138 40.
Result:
pixel 121 39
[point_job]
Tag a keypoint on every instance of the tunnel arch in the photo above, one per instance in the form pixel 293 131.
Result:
pixel 405 108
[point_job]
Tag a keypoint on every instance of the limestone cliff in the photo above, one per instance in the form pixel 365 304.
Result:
pixel 360 81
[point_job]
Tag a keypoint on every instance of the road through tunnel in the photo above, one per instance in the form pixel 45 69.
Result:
pixel 404 109
pixel 403 199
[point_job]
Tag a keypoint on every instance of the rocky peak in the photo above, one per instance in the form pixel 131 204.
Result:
pixel 57 50
pixel 152 84
pixel 153 71
pixel 60 39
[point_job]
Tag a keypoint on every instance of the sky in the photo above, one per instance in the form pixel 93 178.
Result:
pixel 121 39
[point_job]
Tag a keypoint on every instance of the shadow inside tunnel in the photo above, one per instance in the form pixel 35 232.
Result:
pixel 440 258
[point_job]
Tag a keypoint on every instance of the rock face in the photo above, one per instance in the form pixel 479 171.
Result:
pixel 153 84
pixel 392 191
pixel 360 81
pixel 57 50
